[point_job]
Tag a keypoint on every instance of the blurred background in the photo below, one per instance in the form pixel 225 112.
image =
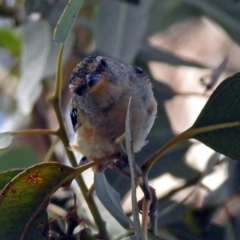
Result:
pixel 186 46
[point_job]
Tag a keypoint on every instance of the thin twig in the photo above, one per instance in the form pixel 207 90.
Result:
pixel 62 133
pixel 191 132
pixel 145 211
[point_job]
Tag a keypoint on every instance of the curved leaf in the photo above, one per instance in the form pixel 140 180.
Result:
pixel 222 107
pixel 23 201
pixel 5 140
pixel 7 176
pixel 110 199
pixel 66 20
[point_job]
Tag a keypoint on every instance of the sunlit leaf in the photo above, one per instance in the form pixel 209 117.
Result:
pixel 110 199
pixel 7 176
pixel 222 107
pixel 23 201
pixel 5 140
pixel 66 21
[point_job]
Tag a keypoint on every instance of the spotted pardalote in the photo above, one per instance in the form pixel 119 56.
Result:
pixel 101 88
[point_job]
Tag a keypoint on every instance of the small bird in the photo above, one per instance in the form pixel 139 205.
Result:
pixel 101 90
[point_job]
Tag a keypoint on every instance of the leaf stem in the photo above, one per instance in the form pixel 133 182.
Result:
pixel 191 132
pixel 145 211
pixel 91 190
pixel 58 79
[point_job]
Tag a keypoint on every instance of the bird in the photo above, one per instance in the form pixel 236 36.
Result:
pixel 101 89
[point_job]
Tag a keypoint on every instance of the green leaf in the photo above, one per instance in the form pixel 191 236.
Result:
pixel 222 107
pixel 110 199
pixel 10 40
pixel 120 28
pixel 66 20
pixel 24 200
pixel 5 140
pixel 7 176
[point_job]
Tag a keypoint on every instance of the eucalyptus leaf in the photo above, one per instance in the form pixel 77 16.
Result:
pixel 7 176
pixel 36 47
pixel 66 20
pixel 5 140
pixel 110 199
pixel 120 28
pixel 23 201
pixel 222 107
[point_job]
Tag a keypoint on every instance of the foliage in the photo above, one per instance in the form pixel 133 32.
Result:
pixel 119 29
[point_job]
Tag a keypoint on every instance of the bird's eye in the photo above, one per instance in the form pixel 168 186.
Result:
pixel 92 79
pixel 103 62
pixel 138 70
